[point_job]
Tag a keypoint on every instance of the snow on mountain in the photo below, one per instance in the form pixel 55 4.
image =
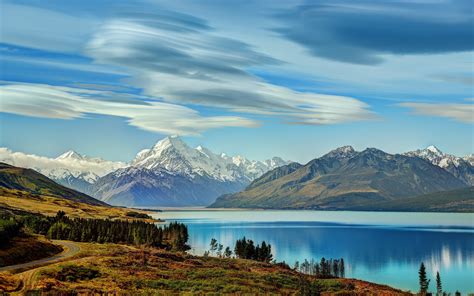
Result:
pixel 67 168
pixel 469 158
pixel 175 156
pixel 171 173
pixel 341 152
pixel 460 167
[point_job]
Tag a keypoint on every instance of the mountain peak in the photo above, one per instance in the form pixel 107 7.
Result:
pixel 341 152
pixel 434 149
pixel 71 154
pixel 174 141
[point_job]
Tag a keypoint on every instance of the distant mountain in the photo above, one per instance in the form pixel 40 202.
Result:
pixel 459 200
pixel 461 168
pixel 173 174
pixel 342 179
pixel 70 169
pixel 29 180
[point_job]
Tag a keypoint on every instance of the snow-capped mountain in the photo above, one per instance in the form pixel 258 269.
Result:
pixel 462 168
pixel 175 156
pixel 173 174
pixel 70 169
pixel 469 158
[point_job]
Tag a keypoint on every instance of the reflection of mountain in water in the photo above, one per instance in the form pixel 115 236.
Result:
pixel 361 246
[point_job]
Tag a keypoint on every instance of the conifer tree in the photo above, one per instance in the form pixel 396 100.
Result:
pixel 424 282
pixel 439 287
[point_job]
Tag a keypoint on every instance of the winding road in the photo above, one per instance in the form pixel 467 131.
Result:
pixel 70 249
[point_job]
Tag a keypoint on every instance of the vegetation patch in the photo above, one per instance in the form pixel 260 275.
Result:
pixel 74 273
pixel 27 248
pixel 138 215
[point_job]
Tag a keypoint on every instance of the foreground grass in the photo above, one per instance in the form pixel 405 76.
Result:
pixel 49 206
pixel 145 271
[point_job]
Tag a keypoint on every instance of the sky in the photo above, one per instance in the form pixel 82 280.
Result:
pixel 258 78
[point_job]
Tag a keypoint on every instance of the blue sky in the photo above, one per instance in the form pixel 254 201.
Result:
pixel 258 78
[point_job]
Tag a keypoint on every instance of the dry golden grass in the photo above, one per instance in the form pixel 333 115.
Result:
pixel 49 206
pixel 147 271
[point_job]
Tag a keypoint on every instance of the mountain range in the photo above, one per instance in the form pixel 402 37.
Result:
pixel 169 174
pixel 173 174
pixel 345 179
pixel 25 180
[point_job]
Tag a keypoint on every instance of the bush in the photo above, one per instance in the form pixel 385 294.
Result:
pixel 8 230
pixel 138 215
pixel 74 273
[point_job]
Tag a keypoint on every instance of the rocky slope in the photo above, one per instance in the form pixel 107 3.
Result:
pixel 461 168
pixel 173 174
pixel 342 179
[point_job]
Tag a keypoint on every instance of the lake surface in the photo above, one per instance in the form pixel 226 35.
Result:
pixel 380 247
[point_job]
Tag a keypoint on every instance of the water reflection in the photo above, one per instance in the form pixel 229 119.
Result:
pixel 384 254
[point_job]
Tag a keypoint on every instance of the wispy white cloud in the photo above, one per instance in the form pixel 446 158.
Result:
pixel 459 112
pixel 182 61
pixel 40 100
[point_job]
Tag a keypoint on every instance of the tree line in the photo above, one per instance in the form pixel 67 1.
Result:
pixel 243 249
pixel 172 236
pixel 325 268
pixel 425 283
pixel 9 228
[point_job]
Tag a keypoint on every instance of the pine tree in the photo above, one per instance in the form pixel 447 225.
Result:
pixel 424 282
pixel 227 252
pixel 439 287
pixel 213 245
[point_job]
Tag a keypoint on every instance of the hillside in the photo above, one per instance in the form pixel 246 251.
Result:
pixel 459 200
pixel 29 180
pixel 343 179
pixel 106 269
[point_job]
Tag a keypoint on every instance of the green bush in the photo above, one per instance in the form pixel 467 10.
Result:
pixel 8 230
pixel 74 273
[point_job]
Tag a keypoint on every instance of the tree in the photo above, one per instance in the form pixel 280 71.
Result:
pixel 227 252
pixel 213 245
pixel 439 287
pixel 424 282
pixel 219 250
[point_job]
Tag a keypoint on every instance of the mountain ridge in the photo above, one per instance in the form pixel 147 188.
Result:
pixel 343 178
pixel 31 181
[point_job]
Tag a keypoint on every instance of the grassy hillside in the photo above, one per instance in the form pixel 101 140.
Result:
pixel 33 182
pixel 460 200
pixel 341 182
pixel 17 200
pixel 147 271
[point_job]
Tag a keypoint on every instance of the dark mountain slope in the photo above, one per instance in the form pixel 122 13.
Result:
pixel 459 200
pixel 31 181
pixel 342 179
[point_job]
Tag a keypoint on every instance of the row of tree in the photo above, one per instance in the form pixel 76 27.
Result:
pixel 425 283
pixel 325 268
pixel 246 249
pixel 172 236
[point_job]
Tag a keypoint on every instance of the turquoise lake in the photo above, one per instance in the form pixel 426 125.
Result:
pixel 382 247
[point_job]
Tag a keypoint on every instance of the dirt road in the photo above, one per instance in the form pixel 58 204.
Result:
pixel 70 249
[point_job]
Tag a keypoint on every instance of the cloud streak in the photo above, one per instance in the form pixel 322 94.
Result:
pixel 41 100
pixel 459 112
pixel 362 32
pixel 184 61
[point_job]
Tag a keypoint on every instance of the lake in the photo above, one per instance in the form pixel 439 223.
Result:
pixel 381 247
